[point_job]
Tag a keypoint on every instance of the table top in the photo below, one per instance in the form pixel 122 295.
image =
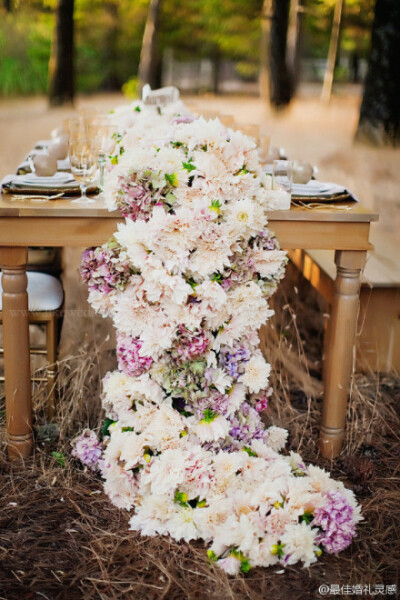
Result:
pixel 347 211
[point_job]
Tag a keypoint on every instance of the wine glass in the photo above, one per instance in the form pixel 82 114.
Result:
pixel 102 136
pixel 83 161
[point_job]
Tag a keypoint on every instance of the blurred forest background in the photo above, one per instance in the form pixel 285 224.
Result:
pixel 260 47
pixel 225 35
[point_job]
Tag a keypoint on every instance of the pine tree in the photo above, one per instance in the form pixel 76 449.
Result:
pixel 380 109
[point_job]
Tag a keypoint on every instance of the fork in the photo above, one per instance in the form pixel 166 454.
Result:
pixel 37 197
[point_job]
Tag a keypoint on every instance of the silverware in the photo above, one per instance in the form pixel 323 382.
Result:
pixel 36 197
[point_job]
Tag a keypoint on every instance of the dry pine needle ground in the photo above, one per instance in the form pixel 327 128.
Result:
pixel 60 537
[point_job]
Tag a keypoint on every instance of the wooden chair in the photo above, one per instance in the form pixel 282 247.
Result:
pixel 46 297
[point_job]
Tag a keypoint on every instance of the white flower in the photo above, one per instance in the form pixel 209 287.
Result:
pixel 245 217
pixel 276 438
pixel 231 564
pixel 267 262
pixel 256 374
pixel 166 472
pixel 181 524
pixel 119 485
pixel 237 395
pixel 102 303
pixel 152 516
pixel 210 431
pixel 299 544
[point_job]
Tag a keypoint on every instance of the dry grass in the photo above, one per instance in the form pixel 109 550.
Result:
pixel 60 537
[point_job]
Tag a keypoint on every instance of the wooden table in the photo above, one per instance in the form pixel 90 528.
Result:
pixel 26 223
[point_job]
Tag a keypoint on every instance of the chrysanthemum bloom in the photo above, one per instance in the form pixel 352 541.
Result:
pixel 105 269
pixel 336 520
pixel 87 449
pixel 129 359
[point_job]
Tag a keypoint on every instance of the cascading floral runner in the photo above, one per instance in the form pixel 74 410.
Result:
pixel 186 280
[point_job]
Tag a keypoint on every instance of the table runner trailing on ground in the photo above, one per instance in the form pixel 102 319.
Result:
pixel 186 280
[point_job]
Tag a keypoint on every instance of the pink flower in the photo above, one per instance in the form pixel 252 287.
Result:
pixel 129 359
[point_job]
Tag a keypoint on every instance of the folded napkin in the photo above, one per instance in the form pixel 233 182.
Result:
pixel 26 165
pixel 320 190
pixel 32 183
pixel 43 144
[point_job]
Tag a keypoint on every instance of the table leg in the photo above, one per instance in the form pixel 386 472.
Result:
pixel 339 360
pixel 16 352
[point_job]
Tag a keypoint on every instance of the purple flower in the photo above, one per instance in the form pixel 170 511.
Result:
pixel 267 241
pixel 246 426
pixel 214 401
pixel 261 404
pixel 336 520
pixel 103 269
pixel 190 344
pixel 87 449
pixel 183 119
pixel 129 359
pixel 137 195
pixel 233 359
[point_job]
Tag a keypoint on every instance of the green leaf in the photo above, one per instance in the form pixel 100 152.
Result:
pixel 137 109
pixel 171 178
pixel 106 425
pixel 209 416
pixel 59 457
pixel 212 556
pixel 114 160
pixel 188 166
pixel 306 517
pixel 216 277
pixel 249 451
pixel 181 498
pixel 215 206
pixel 245 566
pixel 242 171
pixel 192 283
pixel 170 198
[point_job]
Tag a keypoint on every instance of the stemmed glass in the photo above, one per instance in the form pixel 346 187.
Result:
pixel 102 136
pixel 83 161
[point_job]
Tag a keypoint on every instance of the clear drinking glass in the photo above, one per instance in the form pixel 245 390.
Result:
pixel 282 177
pixel 83 161
pixel 75 129
pixel 102 136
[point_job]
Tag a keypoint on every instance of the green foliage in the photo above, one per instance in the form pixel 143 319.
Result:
pixel 129 88
pixel 356 24
pixel 25 51
pixel 59 458
pixel 109 36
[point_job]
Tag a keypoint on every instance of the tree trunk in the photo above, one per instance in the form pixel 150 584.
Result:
pixel 380 109
pixel 8 5
pixel 275 82
pixel 61 66
pixel 266 18
pixel 333 48
pixel 149 59
pixel 294 41
pixel 111 79
pixel 216 71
